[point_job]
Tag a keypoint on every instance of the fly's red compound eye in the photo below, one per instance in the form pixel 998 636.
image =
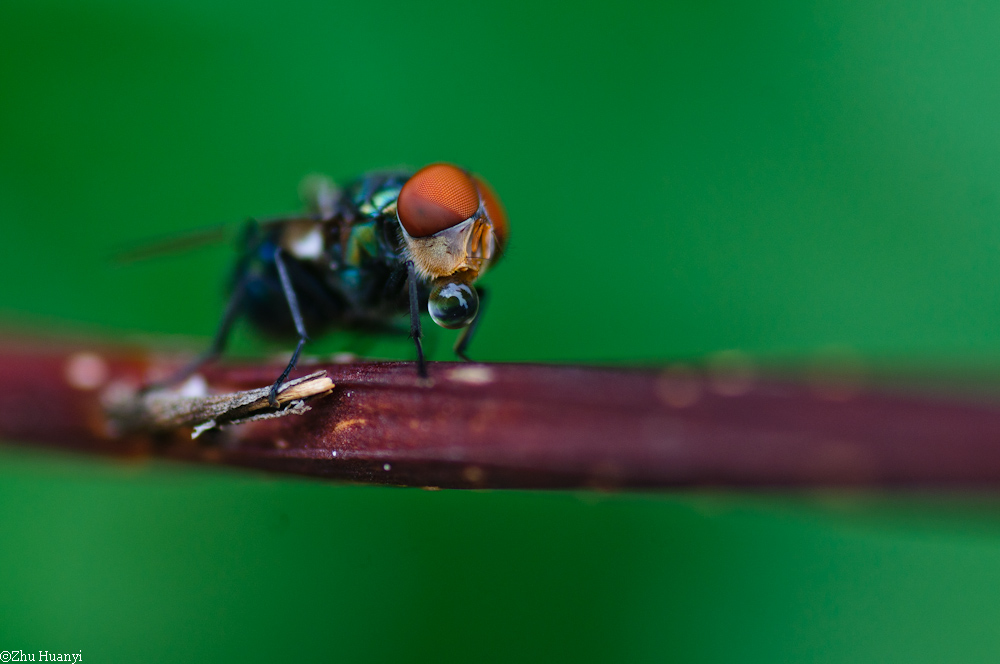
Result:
pixel 495 210
pixel 436 198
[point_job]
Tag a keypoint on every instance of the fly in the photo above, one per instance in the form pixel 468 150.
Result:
pixel 362 255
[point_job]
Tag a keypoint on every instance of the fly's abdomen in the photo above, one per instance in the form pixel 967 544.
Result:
pixel 266 306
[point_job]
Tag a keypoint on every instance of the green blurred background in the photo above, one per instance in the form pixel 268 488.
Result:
pixel 681 178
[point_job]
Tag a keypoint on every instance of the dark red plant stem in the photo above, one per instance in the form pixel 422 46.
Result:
pixel 511 425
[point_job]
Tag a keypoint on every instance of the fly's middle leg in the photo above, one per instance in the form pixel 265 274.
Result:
pixel 415 319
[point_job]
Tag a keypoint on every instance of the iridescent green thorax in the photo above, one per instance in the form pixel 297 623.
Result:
pixel 361 244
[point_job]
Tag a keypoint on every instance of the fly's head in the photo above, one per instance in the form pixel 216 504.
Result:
pixel 454 229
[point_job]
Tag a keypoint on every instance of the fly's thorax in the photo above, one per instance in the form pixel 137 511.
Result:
pixel 360 243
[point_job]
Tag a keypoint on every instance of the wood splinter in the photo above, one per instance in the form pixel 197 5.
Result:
pixel 131 411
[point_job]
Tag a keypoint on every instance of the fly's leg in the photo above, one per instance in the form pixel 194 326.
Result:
pixel 415 319
pixel 399 278
pixel 250 241
pixel 218 343
pixel 465 336
pixel 300 328
pixel 395 281
pixel 229 316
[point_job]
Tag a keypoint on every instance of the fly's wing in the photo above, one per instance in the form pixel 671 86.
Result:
pixel 172 244
pixel 199 237
pixel 318 193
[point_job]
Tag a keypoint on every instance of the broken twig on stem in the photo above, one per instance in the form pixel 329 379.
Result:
pixel 190 405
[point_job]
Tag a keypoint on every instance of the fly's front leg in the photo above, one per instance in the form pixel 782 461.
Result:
pixel 465 336
pixel 300 328
pixel 415 319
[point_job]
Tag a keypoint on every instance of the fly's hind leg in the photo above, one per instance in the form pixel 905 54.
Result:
pixel 300 328
pixel 465 336
pixel 221 335
pixel 229 316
